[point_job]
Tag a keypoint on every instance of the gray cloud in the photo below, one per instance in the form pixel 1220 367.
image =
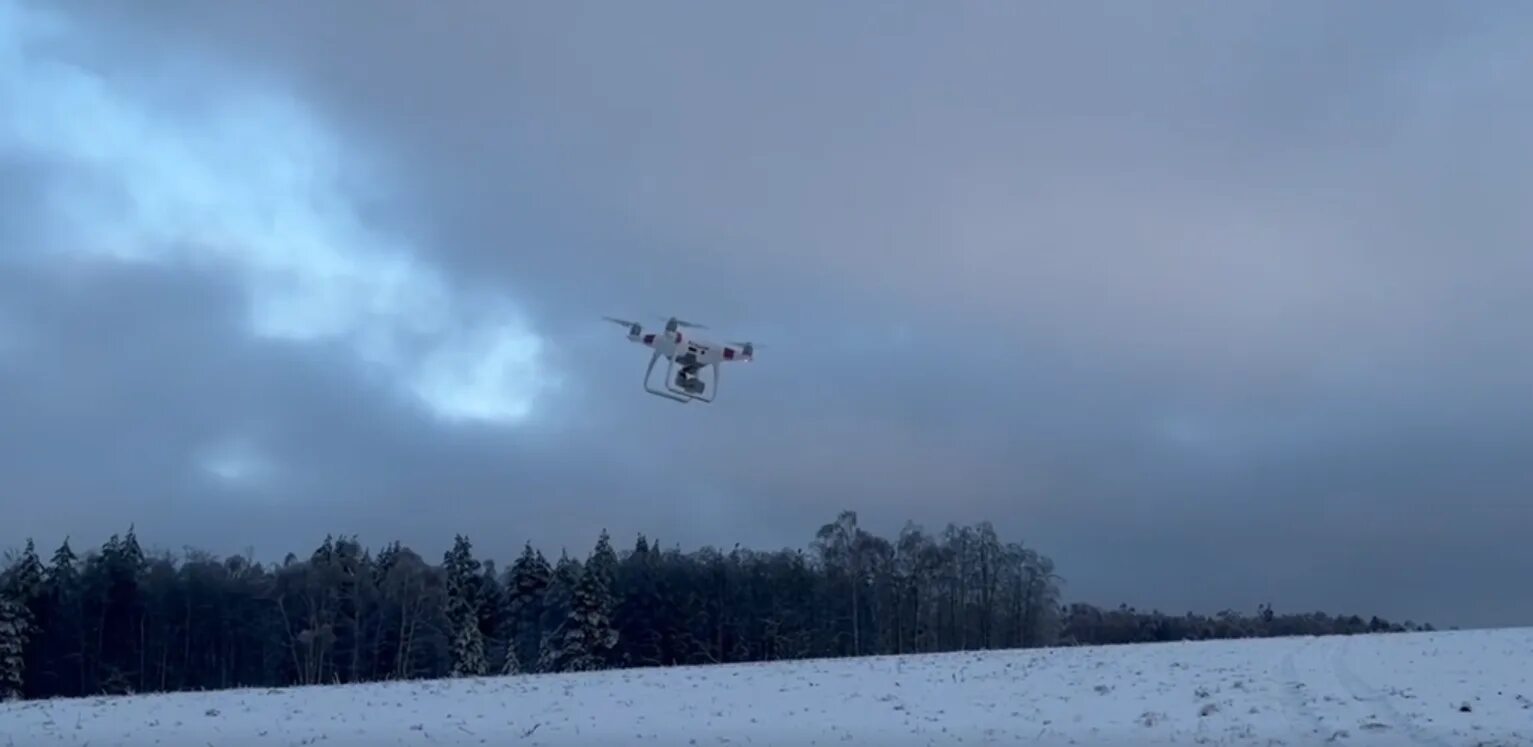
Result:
pixel 1216 307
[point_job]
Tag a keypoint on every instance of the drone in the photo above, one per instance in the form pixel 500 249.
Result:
pixel 686 357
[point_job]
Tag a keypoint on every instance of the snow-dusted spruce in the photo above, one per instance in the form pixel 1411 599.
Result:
pixel 603 560
pixel 21 589
pixel 530 578
pixel 467 651
pixel 25 579
pixel 14 631
pixel 463 580
pixel 511 664
pixel 584 642
pixel 491 617
pixel 584 638
pixel 62 572
pixel 640 612
pixel 558 601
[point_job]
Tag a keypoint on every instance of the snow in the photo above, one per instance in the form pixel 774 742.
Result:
pixel 1390 689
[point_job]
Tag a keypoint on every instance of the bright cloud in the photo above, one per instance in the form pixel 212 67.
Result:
pixel 235 462
pixel 248 181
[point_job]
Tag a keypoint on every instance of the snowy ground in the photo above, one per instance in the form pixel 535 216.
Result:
pixel 1402 689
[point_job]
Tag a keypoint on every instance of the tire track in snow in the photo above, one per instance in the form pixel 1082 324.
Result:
pixel 1298 710
pixel 1363 692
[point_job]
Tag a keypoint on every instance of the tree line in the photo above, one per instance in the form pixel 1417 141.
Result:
pixel 122 621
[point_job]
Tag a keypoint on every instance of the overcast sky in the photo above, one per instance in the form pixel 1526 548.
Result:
pixel 1215 304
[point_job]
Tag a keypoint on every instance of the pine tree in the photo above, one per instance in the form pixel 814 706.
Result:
pixel 637 615
pixel 61 648
pixel 116 615
pixel 492 611
pixel 325 553
pixel 530 577
pixel 585 640
pixel 567 573
pixel 62 572
pixel 132 554
pixel 467 642
pixel 385 561
pixel 603 560
pixel 13 644
pixel 557 603
pixel 525 596
pixel 467 651
pixel 25 578
pixel 511 664
pixel 25 585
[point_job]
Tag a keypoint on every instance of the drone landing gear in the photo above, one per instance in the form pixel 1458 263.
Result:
pixel 681 384
pixel 689 385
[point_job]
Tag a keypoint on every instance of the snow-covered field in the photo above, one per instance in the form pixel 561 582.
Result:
pixel 1401 689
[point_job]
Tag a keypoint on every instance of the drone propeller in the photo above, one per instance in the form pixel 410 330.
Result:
pixel 633 327
pixel 673 322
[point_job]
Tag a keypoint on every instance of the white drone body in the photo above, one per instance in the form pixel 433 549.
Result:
pixel 686 357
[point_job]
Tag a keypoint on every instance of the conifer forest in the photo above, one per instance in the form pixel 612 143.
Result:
pixel 117 620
